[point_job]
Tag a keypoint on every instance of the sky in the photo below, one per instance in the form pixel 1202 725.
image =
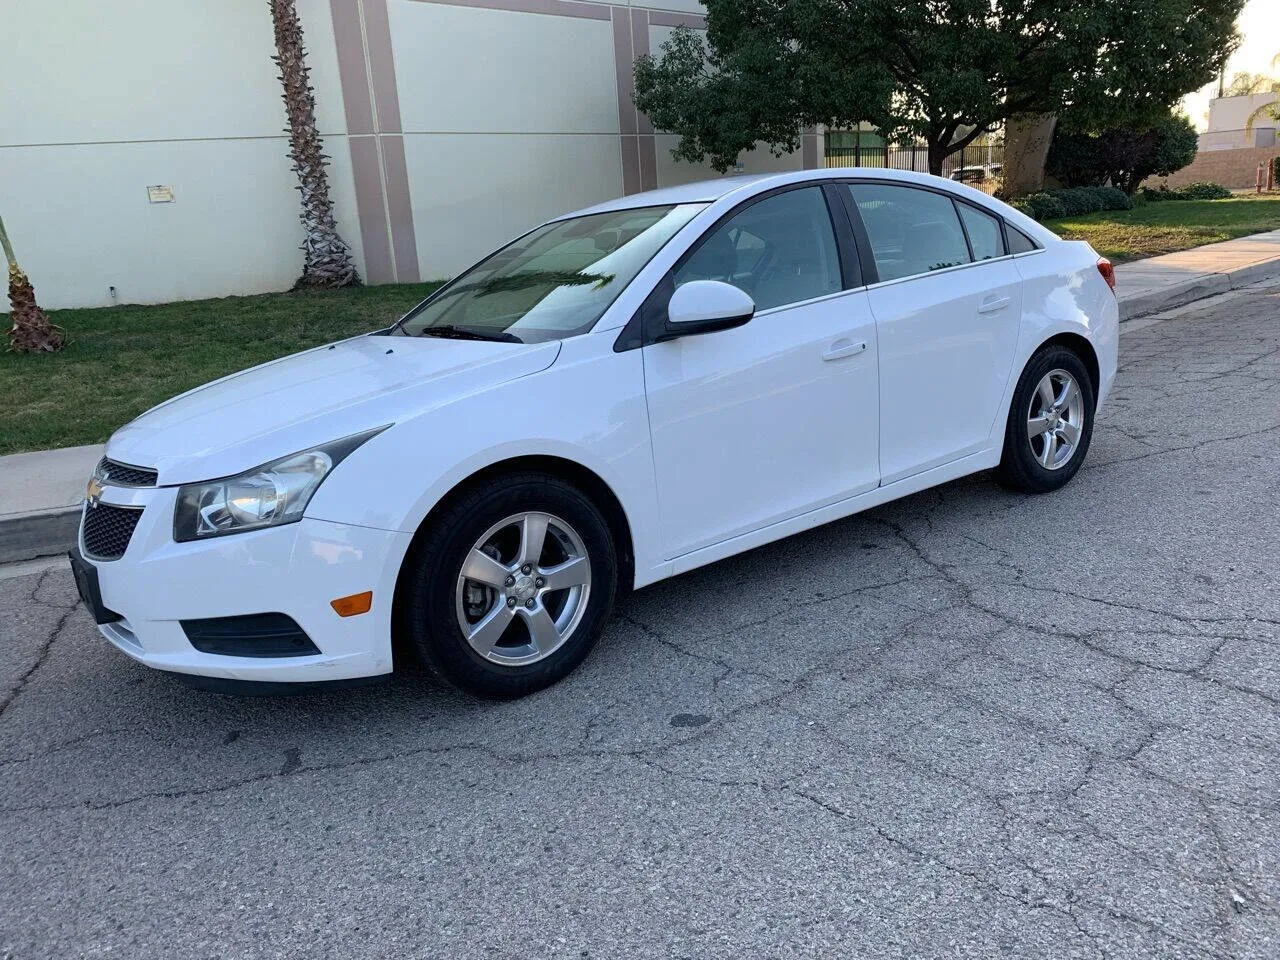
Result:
pixel 1259 27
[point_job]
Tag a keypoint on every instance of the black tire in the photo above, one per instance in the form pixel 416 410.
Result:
pixel 1019 467
pixel 429 583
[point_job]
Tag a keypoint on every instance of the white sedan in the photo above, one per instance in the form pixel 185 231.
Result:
pixel 620 395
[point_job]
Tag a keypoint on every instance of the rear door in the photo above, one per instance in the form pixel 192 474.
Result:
pixel 947 305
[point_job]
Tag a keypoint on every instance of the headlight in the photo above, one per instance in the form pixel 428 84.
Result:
pixel 266 496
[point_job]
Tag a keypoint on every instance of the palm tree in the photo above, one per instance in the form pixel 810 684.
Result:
pixel 32 332
pixel 327 259
pixel 1268 111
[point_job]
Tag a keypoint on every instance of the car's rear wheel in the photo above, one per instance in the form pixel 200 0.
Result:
pixel 510 586
pixel 1050 422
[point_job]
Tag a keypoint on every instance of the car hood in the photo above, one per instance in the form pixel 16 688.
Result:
pixel 298 402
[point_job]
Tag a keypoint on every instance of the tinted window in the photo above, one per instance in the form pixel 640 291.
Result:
pixel 1019 242
pixel 911 231
pixel 552 283
pixel 779 250
pixel 985 235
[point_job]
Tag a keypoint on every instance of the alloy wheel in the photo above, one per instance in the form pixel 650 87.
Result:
pixel 1055 419
pixel 523 588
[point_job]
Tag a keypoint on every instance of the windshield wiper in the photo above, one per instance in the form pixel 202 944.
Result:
pixel 450 332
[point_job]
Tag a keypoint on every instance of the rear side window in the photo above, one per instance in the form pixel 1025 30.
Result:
pixel 779 250
pixel 1018 241
pixel 911 231
pixel 985 236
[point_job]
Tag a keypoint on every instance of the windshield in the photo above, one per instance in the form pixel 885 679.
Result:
pixel 553 283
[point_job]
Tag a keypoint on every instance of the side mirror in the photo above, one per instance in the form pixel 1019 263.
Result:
pixel 704 306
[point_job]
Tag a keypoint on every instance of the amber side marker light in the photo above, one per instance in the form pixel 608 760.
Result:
pixel 353 605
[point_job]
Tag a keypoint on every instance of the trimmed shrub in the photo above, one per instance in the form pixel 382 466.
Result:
pixel 1112 198
pixel 1073 202
pixel 1021 205
pixel 1076 201
pixel 1044 206
pixel 1204 190
pixel 1200 190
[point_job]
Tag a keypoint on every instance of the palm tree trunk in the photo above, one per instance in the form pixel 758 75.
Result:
pixel 327 258
pixel 32 331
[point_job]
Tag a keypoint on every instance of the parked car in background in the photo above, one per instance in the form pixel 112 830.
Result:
pixel 623 394
pixel 977 174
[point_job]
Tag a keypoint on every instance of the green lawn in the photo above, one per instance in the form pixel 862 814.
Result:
pixel 1170 225
pixel 123 360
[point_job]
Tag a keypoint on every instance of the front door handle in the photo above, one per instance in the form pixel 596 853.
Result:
pixel 844 347
pixel 992 304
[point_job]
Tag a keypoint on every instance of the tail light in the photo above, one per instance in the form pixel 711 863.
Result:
pixel 1108 272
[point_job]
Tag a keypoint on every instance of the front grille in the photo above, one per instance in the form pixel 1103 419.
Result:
pixel 123 475
pixel 254 635
pixel 107 530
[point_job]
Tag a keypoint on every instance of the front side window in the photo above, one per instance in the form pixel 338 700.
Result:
pixel 553 283
pixel 985 236
pixel 911 231
pixel 779 250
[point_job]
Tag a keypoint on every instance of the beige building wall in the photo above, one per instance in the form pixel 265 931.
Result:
pixel 102 100
pixel 451 125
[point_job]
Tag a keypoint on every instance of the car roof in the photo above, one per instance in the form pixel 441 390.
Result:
pixel 710 191
pixel 700 191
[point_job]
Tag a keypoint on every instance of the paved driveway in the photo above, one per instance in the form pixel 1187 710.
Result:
pixel 969 724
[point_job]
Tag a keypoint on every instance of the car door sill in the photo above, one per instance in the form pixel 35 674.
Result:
pixel 982 460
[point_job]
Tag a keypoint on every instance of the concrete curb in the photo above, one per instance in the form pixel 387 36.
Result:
pixel 1197 288
pixel 42 534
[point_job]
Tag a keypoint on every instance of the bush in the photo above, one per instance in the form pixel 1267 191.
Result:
pixel 1204 190
pixel 1200 190
pixel 1021 205
pixel 1073 202
pixel 1043 206
pixel 1076 201
pixel 1122 156
pixel 1112 198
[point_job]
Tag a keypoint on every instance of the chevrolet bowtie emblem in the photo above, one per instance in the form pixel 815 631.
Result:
pixel 93 492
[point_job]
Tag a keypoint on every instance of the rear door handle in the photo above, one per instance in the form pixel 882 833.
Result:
pixel 844 347
pixel 992 304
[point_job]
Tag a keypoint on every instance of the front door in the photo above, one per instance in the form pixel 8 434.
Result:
pixel 769 420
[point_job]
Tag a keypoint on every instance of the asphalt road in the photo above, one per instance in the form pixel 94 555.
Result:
pixel 968 724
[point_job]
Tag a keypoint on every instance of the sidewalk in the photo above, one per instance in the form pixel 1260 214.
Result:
pixel 42 494
pixel 1161 283
pixel 43 490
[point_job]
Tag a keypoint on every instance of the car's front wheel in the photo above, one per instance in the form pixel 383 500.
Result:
pixel 511 585
pixel 1050 422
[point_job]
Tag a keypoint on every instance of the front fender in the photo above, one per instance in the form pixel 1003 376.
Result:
pixel 588 407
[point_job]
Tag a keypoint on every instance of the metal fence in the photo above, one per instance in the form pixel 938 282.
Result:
pixel 978 166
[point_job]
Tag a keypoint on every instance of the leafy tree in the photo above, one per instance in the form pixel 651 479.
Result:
pixel 943 71
pixel 1123 156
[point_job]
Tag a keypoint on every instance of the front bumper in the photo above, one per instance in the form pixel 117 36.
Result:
pixel 295 569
